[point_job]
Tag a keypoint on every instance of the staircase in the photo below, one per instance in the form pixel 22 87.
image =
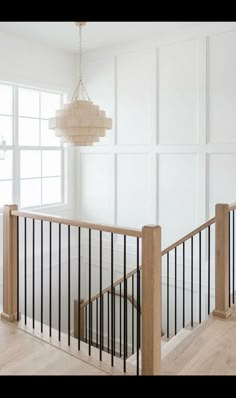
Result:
pixel 117 326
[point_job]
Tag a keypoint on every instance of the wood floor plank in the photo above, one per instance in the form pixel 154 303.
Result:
pixel 22 354
pixel 209 350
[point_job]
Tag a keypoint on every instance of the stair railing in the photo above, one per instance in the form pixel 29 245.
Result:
pixel 31 287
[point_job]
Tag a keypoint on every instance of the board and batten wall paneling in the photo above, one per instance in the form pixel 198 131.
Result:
pixel 178 90
pixel 178 195
pixel 222 186
pixel 96 200
pixel 100 85
pixel 173 155
pixel 135 192
pixel 136 98
pixel 222 87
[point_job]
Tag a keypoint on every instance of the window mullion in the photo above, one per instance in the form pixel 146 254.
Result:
pixel 16 150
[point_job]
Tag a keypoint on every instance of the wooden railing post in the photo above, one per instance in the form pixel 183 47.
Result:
pixel 9 264
pixel 82 333
pixel 222 309
pixel 151 300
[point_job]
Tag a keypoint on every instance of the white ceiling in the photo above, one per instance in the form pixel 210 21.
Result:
pixel 64 35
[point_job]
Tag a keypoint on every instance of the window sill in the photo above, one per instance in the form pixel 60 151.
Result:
pixel 49 209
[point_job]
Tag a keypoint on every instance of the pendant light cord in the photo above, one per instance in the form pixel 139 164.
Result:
pixel 80 87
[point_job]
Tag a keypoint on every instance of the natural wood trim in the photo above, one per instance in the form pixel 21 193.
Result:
pixel 222 309
pixel 188 236
pixel 82 224
pixel 108 289
pixel 82 335
pixel 232 206
pixel 9 264
pixel 151 301
pixel 168 249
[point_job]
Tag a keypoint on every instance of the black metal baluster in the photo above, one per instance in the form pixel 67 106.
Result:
pixel 209 267
pixel 59 287
pixel 25 255
pixel 120 323
pixel 168 266
pixel 86 324
pixel 200 277
pixel 132 314
pixel 68 284
pixel 79 288
pixel 90 307
pixel 112 302
pixel 102 322
pixel 229 261
pixel 41 276
pixel 33 273
pixel 125 307
pixel 233 255
pixel 192 281
pixel 138 308
pixel 18 270
pixel 101 300
pixel 183 284
pixel 108 322
pixel 97 323
pixel 175 290
pixel 50 279
pixel 114 322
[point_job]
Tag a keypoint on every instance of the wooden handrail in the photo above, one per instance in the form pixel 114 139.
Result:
pixel 232 206
pixel 136 233
pixel 129 298
pixel 108 289
pixel 167 250
pixel 188 236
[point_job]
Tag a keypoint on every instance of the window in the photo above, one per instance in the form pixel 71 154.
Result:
pixel 32 172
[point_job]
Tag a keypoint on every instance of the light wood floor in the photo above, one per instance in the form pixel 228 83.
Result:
pixel 209 350
pixel 22 354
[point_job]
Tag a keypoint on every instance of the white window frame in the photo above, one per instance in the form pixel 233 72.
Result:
pixel 16 149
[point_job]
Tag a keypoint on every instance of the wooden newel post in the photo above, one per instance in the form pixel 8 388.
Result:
pixel 81 323
pixel 222 309
pixel 9 264
pixel 151 300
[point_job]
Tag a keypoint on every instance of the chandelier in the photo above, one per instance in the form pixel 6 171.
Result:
pixel 80 122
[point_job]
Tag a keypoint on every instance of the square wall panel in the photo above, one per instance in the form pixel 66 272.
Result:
pixel 136 99
pixel 100 85
pixel 221 177
pixel 135 191
pixel 97 188
pixel 177 195
pixel 178 95
pixel 222 87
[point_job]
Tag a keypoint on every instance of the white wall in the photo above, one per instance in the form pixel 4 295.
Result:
pixel 30 63
pixel 172 152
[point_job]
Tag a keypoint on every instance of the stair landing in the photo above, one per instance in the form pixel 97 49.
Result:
pixel 210 349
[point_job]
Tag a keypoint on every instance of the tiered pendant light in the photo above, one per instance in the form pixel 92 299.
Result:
pixel 80 122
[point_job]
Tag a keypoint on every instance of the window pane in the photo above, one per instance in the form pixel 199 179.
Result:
pixel 28 132
pixel 28 103
pixel 5 193
pixel 6 129
pixel 51 190
pixel 50 103
pixel 51 163
pixel 5 100
pixel 48 137
pixel 30 164
pixel 30 193
pixel 6 167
